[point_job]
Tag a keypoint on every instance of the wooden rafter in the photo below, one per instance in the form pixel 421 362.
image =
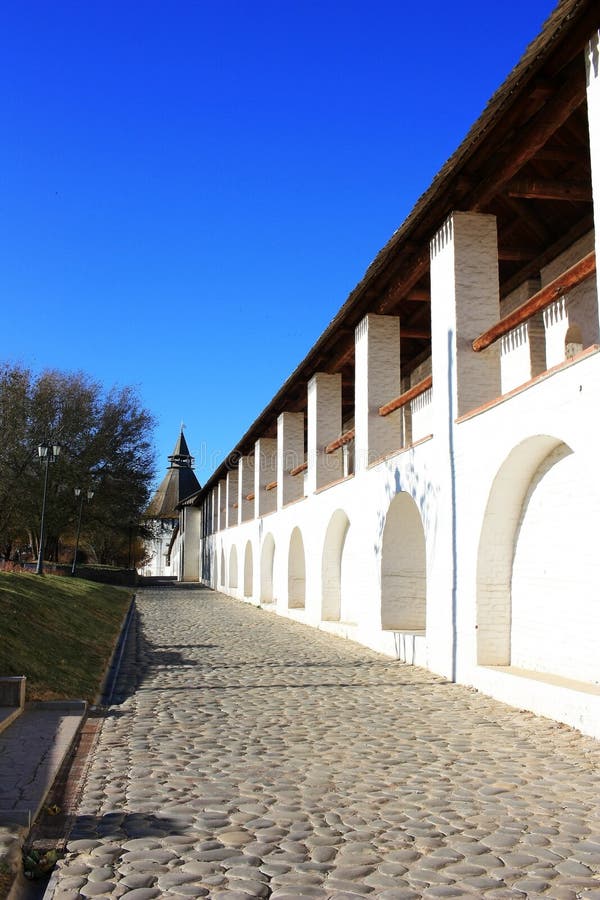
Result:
pixel 563 154
pixel 547 189
pixel 416 267
pixel 517 254
pixel 524 216
pixel 531 139
pixel 550 252
pixel 415 333
pixel 418 295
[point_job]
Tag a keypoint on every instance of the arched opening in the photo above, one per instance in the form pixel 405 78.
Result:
pixel 222 572
pixel 233 568
pixel 537 565
pixel 296 572
pixel 248 570
pixel 573 341
pixel 403 567
pixel 496 548
pixel 267 565
pixel 331 567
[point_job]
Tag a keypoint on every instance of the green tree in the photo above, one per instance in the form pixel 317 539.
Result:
pixel 106 445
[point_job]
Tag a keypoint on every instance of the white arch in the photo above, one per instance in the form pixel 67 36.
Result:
pixel 222 573
pixel 296 572
pixel 403 567
pixel 248 570
pixel 233 567
pixel 496 547
pixel 331 566
pixel 267 564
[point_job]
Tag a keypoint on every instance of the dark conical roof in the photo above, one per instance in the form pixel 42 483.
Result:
pixel 179 482
pixel 180 451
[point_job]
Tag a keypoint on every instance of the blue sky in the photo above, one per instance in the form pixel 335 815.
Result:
pixel 190 190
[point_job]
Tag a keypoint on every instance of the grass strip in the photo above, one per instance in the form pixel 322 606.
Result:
pixel 59 632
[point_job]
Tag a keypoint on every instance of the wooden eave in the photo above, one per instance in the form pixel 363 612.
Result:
pixel 526 161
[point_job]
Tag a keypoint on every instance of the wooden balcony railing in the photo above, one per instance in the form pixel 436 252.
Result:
pixel 297 470
pixel 344 438
pixel 547 295
pixel 407 396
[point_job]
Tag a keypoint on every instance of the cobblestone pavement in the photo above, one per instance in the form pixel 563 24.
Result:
pixel 250 756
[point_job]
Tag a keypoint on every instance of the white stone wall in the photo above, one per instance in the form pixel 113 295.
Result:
pixel 557 525
pixel 157 548
pixel 465 540
pixel 555 616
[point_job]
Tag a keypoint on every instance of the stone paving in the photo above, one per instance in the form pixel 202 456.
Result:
pixel 250 756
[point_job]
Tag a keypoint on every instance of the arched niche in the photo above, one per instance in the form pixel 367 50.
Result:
pixel 248 570
pixel 233 567
pixel 331 566
pixel 403 567
pixel 296 572
pixel 267 565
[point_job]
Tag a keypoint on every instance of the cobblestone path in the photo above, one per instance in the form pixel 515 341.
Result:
pixel 249 756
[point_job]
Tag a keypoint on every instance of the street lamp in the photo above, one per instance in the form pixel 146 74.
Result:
pixel 47 453
pixel 79 493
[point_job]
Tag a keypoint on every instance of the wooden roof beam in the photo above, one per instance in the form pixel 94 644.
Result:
pixel 532 268
pixel 525 217
pixel 415 333
pixel 412 274
pixel 418 296
pixel 546 189
pixel 517 254
pixel 562 154
pixel 532 137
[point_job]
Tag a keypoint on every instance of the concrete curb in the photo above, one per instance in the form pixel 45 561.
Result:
pixel 6 718
pixel 104 696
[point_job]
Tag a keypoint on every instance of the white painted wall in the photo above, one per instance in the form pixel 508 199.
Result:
pixel 556 573
pixel 490 548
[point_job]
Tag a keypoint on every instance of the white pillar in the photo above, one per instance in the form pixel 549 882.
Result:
pixel 246 487
pixel 215 510
pixel 221 505
pixel 324 426
pixel 191 556
pixel 377 381
pixel 265 472
pixel 231 513
pixel 290 453
pixel 464 303
pixel 592 65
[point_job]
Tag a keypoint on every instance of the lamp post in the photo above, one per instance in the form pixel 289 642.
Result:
pixel 47 453
pixel 79 493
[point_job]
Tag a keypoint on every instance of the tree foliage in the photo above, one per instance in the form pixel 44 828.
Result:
pixel 106 445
